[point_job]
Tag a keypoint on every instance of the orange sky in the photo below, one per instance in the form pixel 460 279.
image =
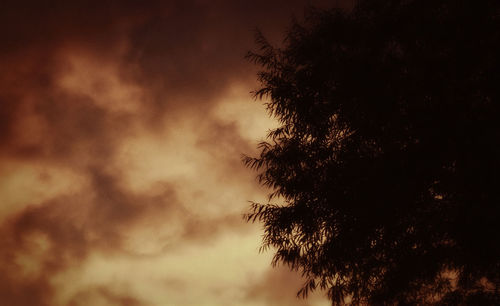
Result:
pixel 121 132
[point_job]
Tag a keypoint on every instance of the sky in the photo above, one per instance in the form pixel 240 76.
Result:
pixel 122 125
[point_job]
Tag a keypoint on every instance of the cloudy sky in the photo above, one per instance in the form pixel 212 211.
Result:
pixel 122 126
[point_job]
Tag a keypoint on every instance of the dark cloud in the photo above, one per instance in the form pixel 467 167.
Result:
pixel 103 296
pixel 225 145
pixel 277 286
pixel 15 290
pixel 184 54
pixel 58 234
pixel 204 230
pixel 69 70
pixel 45 25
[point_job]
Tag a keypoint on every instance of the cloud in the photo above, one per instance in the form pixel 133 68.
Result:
pixel 276 286
pixel 103 296
pixel 44 239
pixel 121 129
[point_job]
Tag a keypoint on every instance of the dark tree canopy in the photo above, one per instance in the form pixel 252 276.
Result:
pixel 385 169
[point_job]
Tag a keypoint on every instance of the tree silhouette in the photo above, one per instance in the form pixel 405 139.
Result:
pixel 386 165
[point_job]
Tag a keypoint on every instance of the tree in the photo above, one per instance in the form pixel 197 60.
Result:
pixel 385 169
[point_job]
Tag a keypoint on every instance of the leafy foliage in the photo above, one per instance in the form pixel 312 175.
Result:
pixel 387 158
